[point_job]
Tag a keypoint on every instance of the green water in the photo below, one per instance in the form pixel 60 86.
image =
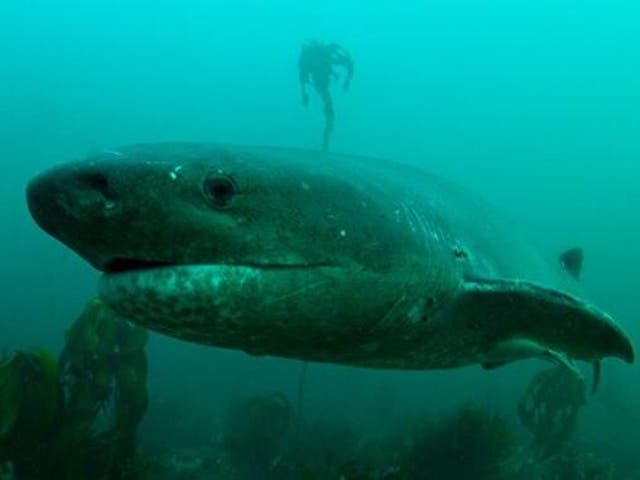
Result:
pixel 534 105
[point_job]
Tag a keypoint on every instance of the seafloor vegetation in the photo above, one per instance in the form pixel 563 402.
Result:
pixel 262 438
pixel 76 416
pixel 263 442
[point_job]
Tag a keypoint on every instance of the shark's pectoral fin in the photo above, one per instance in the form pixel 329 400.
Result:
pixel 517 349
pixel 521 348
pixel 526 320
pixel 506 351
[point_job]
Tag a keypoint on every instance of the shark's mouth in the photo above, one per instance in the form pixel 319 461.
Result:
pixel 121 264
pixel 125 265
pixel 209 299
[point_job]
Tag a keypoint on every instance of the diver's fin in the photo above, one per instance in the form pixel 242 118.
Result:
pixel 571 261
pixel 597 373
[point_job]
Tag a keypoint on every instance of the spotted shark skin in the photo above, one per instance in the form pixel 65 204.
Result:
pixel 314 256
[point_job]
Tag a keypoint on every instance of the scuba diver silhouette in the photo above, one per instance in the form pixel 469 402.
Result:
pixel 316 66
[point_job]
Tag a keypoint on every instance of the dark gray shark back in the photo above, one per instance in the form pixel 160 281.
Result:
pixel 487 241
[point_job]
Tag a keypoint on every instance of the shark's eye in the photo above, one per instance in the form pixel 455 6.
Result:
pixel 220 190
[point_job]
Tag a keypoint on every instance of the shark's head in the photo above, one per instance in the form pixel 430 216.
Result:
pixel 240 248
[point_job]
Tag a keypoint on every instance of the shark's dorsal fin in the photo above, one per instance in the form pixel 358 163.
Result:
pixel 571 261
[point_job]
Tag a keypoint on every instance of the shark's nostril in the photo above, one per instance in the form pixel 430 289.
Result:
pixel 90 193
pixel 97 180
pixel 99 183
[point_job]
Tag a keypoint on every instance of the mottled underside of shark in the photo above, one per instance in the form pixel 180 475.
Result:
pixel 319 257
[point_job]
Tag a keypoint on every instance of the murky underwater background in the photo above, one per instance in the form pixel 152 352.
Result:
pixel 534 105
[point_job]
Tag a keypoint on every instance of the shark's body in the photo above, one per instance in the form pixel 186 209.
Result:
pixel 318 257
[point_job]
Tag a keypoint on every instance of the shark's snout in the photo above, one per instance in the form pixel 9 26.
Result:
pixel 80 206
pixel 58 198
